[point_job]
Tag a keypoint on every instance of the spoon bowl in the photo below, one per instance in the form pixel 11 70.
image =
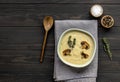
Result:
pixel 48 22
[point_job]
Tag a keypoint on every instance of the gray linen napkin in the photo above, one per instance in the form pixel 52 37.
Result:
pixel 64 73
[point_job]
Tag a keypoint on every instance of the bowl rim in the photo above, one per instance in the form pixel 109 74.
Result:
pixel 70 64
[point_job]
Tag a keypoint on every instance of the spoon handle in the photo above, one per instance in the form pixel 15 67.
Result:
pixel 43 47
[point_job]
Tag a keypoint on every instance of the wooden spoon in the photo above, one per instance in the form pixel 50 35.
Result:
pixel 48 23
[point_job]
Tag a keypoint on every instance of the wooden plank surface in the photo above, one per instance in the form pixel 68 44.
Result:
pixel 21 36
pixel 61 1
pixel 32 14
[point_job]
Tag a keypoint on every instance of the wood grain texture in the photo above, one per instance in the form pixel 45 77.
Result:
pixel 33 14
pixel 21 36
pixel 60 1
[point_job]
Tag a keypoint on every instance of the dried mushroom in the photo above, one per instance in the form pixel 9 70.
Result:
pixel 85 45
pixel 84 55
pixel 66 52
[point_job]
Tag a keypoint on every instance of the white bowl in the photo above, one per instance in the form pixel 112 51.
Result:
pixel 76 65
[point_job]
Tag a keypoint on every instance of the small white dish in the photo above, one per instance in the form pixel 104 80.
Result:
pixel 96 10
pixel 71 64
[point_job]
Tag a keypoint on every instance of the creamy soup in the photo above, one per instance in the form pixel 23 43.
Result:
pixel 76 47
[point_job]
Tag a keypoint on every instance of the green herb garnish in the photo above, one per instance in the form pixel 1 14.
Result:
pixel 71 43
pixel 74 42
pixel 107 47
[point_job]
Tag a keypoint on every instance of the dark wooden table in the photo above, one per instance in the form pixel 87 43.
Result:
pixel 21 36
